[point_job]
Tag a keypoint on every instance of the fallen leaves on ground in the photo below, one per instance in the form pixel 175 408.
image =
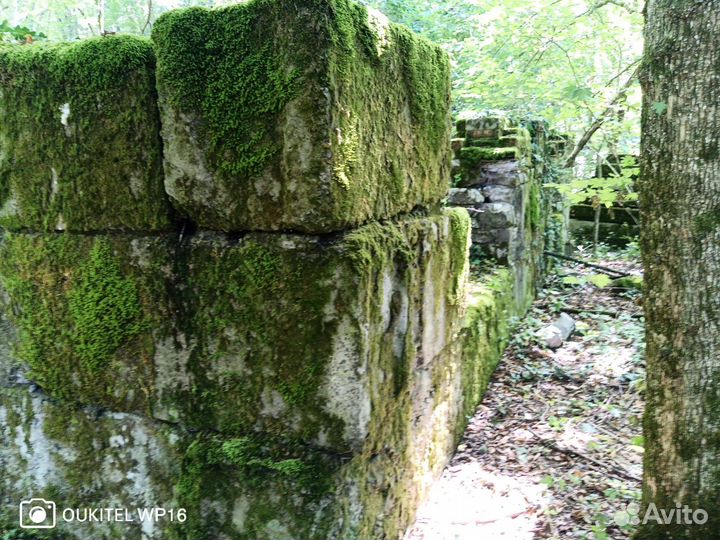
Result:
pixel 555 449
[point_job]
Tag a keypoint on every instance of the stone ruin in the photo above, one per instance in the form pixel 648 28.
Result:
pixel 229 283
pixel 499 169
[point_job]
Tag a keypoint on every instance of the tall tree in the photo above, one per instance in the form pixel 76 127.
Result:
pixel 680 202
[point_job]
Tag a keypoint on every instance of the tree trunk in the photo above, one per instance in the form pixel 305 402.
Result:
pixel 680 213
pixel 596 228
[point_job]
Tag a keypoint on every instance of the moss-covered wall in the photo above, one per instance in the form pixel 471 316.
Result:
pixel 79 137
pixel 238 482
pixel 274 332
pixel 311 115
pixel 502 173
pixel 249 484
pixel 183 336
pixel 292 366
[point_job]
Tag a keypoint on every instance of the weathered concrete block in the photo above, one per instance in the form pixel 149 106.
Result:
pixel 286 334
pixel 310 115
pixel 79 137
pixel 465 197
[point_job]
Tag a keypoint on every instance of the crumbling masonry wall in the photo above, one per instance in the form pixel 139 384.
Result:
pixel 228 282
pixel 501 171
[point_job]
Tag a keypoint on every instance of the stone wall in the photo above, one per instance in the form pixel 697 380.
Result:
pixel 227 281
pixel 500 170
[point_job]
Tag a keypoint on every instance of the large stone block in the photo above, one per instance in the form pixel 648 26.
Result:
pixel 308 337
pixel 310 115
pixel 250 484
pixel 79 137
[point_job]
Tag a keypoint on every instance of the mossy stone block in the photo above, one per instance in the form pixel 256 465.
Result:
pixel 326 416
pixel 310 115
pixel 243 487
pixel 85 458
pixel 212 487
pixel 273 332
pixel 80 146
pixel 87 310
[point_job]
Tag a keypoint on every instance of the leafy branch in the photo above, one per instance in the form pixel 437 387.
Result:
pixel 600 120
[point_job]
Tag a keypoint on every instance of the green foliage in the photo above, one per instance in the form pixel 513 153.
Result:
pixel 629 282
pixel 619 187
pixel 561 60
pixel 18 33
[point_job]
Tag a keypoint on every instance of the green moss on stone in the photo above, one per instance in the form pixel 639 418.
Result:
pixel 83 312
pixel 274 99
pixel 459 265
pixel 533 211
pixel 259 308
pixel 425 67
pixel 471 156
pixel 484 335
pixel 104 307
pixel 79 128
pixel 92 459
pixel 254 314
pixel 221 64
pixel 485 142
pixel 280 481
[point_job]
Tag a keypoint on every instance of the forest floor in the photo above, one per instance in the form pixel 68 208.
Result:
pixel 555 449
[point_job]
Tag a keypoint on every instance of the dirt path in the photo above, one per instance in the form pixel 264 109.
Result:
pixel 555 449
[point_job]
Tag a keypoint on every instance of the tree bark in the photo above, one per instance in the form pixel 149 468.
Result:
pixel 680 214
